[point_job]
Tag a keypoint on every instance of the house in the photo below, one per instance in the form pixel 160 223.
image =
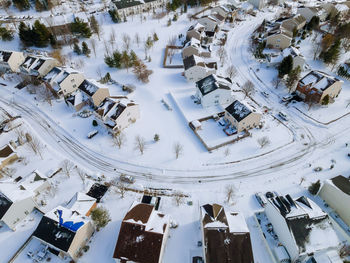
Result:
pixel 241 116
pixel 76 100
pixel 194 47
pixel 225 236
pixel 7 155
pixel 308 12
pixel 298 59
pixel 126 8
pixel 95 92
pixel 258 4
pixel 197 68
pixel 336 193
pixel 213 90
pixel 10 60
pixel 301 226
pixel 97 191
pixel 280 39
pixel 333 9
pixel 83 203
pixel 117 113
pixel 35 182
pixel 143 235
pixel 15 204
pixel 65 231
pixel 195 31
pixel 295 23
pixel 210 23
pixel 342 8
pixel 38 66
pixel 221 10
pixel 316 85
pixel 63 81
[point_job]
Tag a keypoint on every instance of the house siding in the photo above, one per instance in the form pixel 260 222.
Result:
pixel 216 97
pixel 196 73
pixel 99 96
pixel 127 116
pixel 249 122
pixel 278 41
pixel 71 83
pixel 80 239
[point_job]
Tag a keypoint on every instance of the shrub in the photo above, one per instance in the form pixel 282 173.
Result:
pixel 314 187
pixel 156 137
pixel 94 123
pixel 325 100
pixel 100 216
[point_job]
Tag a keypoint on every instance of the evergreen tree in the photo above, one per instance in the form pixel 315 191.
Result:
pixel 286 66
pixel 95 27
pixel 292 78
pixel 133 57
pixel 331 56
pixel 114 15
pixel 25 34
pixel 41 33
pixel 81 28
pixel 21 4
pixel 76 49
pixel 6 34
pixel 155 37
pixel 85 49
pixel 185 7
pixel 314 23
pixel 125 60
pixel 114 61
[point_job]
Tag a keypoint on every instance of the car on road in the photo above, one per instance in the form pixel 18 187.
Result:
pixel 265 94
pixel 127 179
pixel 287 98
pixel 283 116
pixel 261 199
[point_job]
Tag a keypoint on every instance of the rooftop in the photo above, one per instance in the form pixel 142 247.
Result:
pixel 318 80
pixel 238 110
pixel 213 82
pixel 342 183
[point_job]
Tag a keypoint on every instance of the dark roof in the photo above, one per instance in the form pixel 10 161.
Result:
pixel 6 151
pixel 88 87
pixel 5 55
pixel 49 231
pixel 153 200
pixel 129 3
pixel 209 84
pixel 118 110
pixel 222 245
pixel 28 62
pixel 137 245
pixel 97 191
pixel 189 62
pixel 5 204
pixel 238 110
pixel 342 183
pixel 39 64
pixel 140 212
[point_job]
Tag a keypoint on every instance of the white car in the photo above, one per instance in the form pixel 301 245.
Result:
pixel 265 94
pixel 287 98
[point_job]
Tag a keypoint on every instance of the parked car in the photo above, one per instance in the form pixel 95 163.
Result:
pixel 283 116
pixel 92 134
pixel 265 94
pixel 287 98
pixel 261 199
pixel 197 260
pixel 127 179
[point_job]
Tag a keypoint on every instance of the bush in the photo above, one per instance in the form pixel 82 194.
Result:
pixel 94 123
pixel 100 216
pixel 156 137
pixel 81 28
pixel 314 187
pixel 325 100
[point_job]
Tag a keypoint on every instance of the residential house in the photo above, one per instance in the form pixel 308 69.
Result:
pixel 225 236
pixel 298 59
pixel 117 113
pixel 241 116
pixel 294 23
pixel 194 47
pixel 258 4
pixel 143 235
pixel 316 85
pixel 63 81
pixel 10 60
pixel 214 90
pixel 77 100
pixel 336 193
pixel 15 204
pixel 94 92
pixel 38 66
pixel 222 10
pixel 127 8
pixel 195 31
pixel 279 39
pixel 35 182
pixel 197 68
pixel 7 155
pixel 83 203
pixel 210 22
pixel 97 191
pixel 65 230
pixel 308 12
pixel 302 227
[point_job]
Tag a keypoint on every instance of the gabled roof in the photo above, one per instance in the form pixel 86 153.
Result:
pixel 81 203
pixel 318 80
pixel 238 110
pixel 88 87
pixel 97 191
pixel 198 27
pixel 6 151
pixel 5 55
pixel 226 236
pixel 211 83
pixel 141 234
pixel 5 204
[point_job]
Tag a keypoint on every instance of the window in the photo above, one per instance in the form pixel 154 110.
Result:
pixel 278 40
pixel 216 102
pixel 74 85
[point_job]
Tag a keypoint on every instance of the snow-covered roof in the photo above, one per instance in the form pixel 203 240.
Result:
pixel 197 26
pixel 238 110
pixel 68 215
pixel 211 83
pixel 33 181
pixel 236 223
pixel 318 80
pixel 13 191
pixel 341 7
pixel 5 55
pixel 81 203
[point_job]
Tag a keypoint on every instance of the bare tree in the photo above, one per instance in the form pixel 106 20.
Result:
pixel 7 172
pixel 137 39
pixel 112 38
pixel 229 193
pixel 67 167
pixel 227 152
pixel 46 94
pixel 140 144
pixel 231 71
pixel 276 82
pixel 34 145
pixel 178 150
pixel 21 135
pixel 126 42
pixel 120 189
pixel 81 173
pixel 178 197
pixel 222 54
pixel 248 88
pixel 263 141
pixel 171 51
pixel 93 45
pixel 119 139
pixel 344 251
